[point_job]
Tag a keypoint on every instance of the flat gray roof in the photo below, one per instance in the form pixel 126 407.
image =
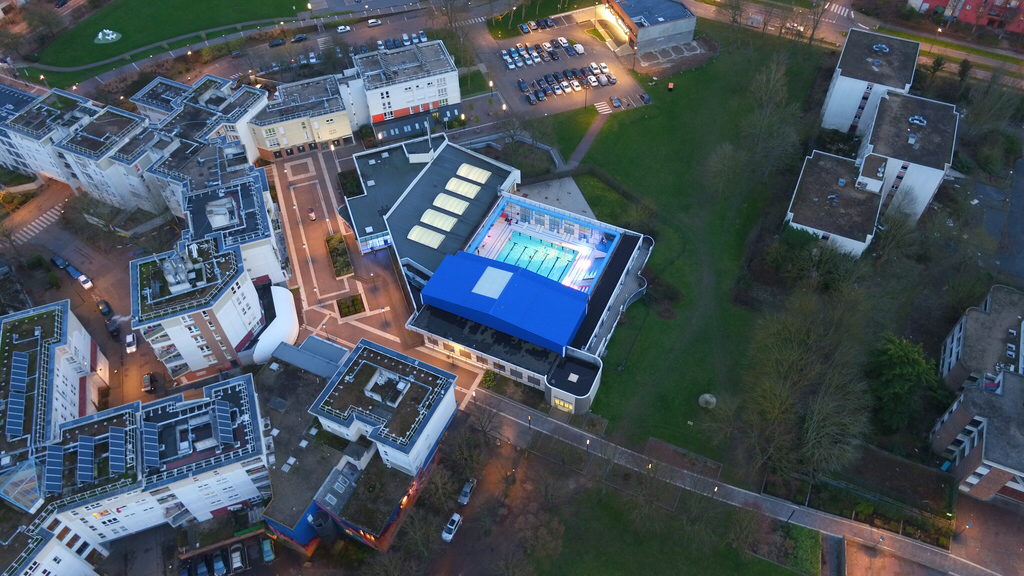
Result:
pixel 58 108
pixel 421 197
pixel 879 59
pixel 310 98
pixel 819 201
pixel 386 67
pixel 654 12
pixel 105 131
pixel 895 136
pixel 1004 431
pixel 987 331
pixel 161 93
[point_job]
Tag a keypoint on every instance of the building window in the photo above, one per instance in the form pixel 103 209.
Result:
pixel 273 143
pixel 432 341
pixel 533 380
pixel 516 374
pixel 466 354
pixel 499 367
pixel 329 121
pixel 268 132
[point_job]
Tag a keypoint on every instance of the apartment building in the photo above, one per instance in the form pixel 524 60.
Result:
pixel 401 82
pixel 998 14
pixel 38 128
pixel 12 102
pixel 127 469
pixel 385 413
pixel 871 66
pixel 306 115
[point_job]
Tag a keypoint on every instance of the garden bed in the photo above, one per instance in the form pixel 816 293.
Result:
pixel 350 306
pixel 338 250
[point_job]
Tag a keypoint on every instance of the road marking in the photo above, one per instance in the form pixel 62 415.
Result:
pixel 472 21
pixel 603 108
pixel 841 10
pixel 38 225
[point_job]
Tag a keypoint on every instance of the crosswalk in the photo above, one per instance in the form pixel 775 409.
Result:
pixel 603 108
pixel 36 226
pixel 472 21
pixel 839 9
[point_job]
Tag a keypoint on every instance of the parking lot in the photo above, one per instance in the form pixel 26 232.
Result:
pixel 626 89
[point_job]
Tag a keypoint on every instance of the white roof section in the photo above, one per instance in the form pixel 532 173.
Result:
pixel 283 330
pixel 450 204
pixel 474 173
pixel 492 282
pixel 426 237
pixel 439 220
pixel 462 188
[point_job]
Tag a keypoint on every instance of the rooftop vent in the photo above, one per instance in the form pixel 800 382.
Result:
pixel 919 120
pixel 877 63
pixel 880 48
pixel 842 182
pixel 912 140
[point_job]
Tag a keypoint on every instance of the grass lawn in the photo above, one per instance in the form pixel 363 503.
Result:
pixel 668 360
pixel 600 540
pixel 564 130
pixel 143 23
pixel 472 84
pixel 930 42
pixel 596 34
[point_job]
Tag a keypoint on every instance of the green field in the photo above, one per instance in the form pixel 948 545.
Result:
pixel 500 27
pixel 143 23
pixel 600 540
pixel 658 364
pixel 563 130
pixel 472 84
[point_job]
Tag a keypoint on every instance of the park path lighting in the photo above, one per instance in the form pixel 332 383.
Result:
pixel 491 84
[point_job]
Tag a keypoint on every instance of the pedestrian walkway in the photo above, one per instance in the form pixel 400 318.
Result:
pixel 518 424
pixel 603 108
pixel 585 143
pixel 839 9
pixel 472 21
pixel 35 227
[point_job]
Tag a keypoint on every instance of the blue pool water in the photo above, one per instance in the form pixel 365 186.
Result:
pixel 536 255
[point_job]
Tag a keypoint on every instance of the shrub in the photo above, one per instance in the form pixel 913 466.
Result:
pixel 36 262
pixel 32 57
pixel 487 382
pixel 339 255
pixel 806 555
pixel 52 280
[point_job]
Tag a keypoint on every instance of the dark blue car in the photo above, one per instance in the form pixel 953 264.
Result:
pixel 524 28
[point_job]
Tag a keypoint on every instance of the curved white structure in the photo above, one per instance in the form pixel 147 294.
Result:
pixel 284 328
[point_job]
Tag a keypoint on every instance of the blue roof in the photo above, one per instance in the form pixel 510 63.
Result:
pixel 507 298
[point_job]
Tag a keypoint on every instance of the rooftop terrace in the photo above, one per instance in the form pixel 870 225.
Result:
pixel 820 203
pixel 387 389
pixel 161 93
pixel 310 98
pixel 103 133
pixel 58 109
pixel 235 211
pixel 915 130
pixel 386 67
pixel 879 59
pixel 13 101
pixel 377 493
pixel 987 331
pixel 175 282
pixel 1004 427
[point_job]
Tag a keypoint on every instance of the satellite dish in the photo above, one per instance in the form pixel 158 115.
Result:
pixel 707 401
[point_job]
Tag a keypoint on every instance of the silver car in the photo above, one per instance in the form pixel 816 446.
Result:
pixel 467 491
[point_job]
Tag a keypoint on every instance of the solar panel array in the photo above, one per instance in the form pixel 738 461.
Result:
pixel 54 468
pixel 16 414
pixel 19 372
pixel 150 445
pixel 86 458
pixel 116 452
pixel 222 422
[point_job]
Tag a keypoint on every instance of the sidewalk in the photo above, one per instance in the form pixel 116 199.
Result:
pixel 518 424
pixel 584 146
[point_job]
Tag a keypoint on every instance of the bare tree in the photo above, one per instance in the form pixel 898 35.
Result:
pixel 512 562
pixel 733 9
pixel 10 41
pixel 420 533
pixel 540 532
pixel 768 13
pixel 440 489
pixel 486 420
pixel 7 233
pixel 465 453
pixel 770 130
pixel 815 14
pixel 450 12
pixel 991 105
pixel 45 20
pixel 392 563
pixel 512 129
pixel 725 171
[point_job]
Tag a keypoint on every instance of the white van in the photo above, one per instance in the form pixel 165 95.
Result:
pixel 579 49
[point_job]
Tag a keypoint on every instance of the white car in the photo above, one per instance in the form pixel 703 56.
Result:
pixel 451 527
pixel 373 22
pixel 312 58
pixel 565 86
pixel 594 69
pixel 546 46
pixel 519 62
pixel 575 85
pixel 536 58
pixel 593 81
pixel 343 29
pixel 85 282
pixel 563 41
pixel 604 67
pixel 557 89
pixel 510 64
pixel 130 343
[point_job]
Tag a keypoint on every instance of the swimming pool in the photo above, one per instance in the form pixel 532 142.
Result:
pixel 536 255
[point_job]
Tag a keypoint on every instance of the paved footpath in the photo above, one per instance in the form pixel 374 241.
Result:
pixel 519 423
pixel 584 145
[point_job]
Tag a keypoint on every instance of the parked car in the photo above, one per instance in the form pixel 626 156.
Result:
pixel 611 78
pixel 550 22
pixel 219 568
pixel 389 43
pixel 579 49
pixel 532 25
pixel 523 86
pixel 570 51
pixel 302 60
pixel 363 49
pixel 467 491
pixel 130 343
pixel 85 281
pixel 541 96
pixel 373 22
pixel 524 28
pixel 557 89
pixel 646 98
pixel 114 328
pixel 563 41
pixel 594 69
pixel 201 568
pixel 510 64
pixel 550 78
pixel 575 85
pixel 312 58
pixel 616 103
pixel 451 527
pixel 62 3
pixel 381 45
pixel 105 309
pixel 59 262
pixel 273 44
pixel 237 54
pixel 602 80
pixel 423 37
pixel 531 98
pixel 566 87
pixel 268 550
pixel 237 557
pixel 343 29
pixel 298 38
pixel 148 382
pixel 593 81
pixel 603 67
pixel 405 40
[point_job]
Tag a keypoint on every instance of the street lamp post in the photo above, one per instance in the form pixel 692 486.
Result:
pixel 962 530
pixel 45 83
pixel 588 445
pixel 491 84
pixel 529 420
pixel 880 540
